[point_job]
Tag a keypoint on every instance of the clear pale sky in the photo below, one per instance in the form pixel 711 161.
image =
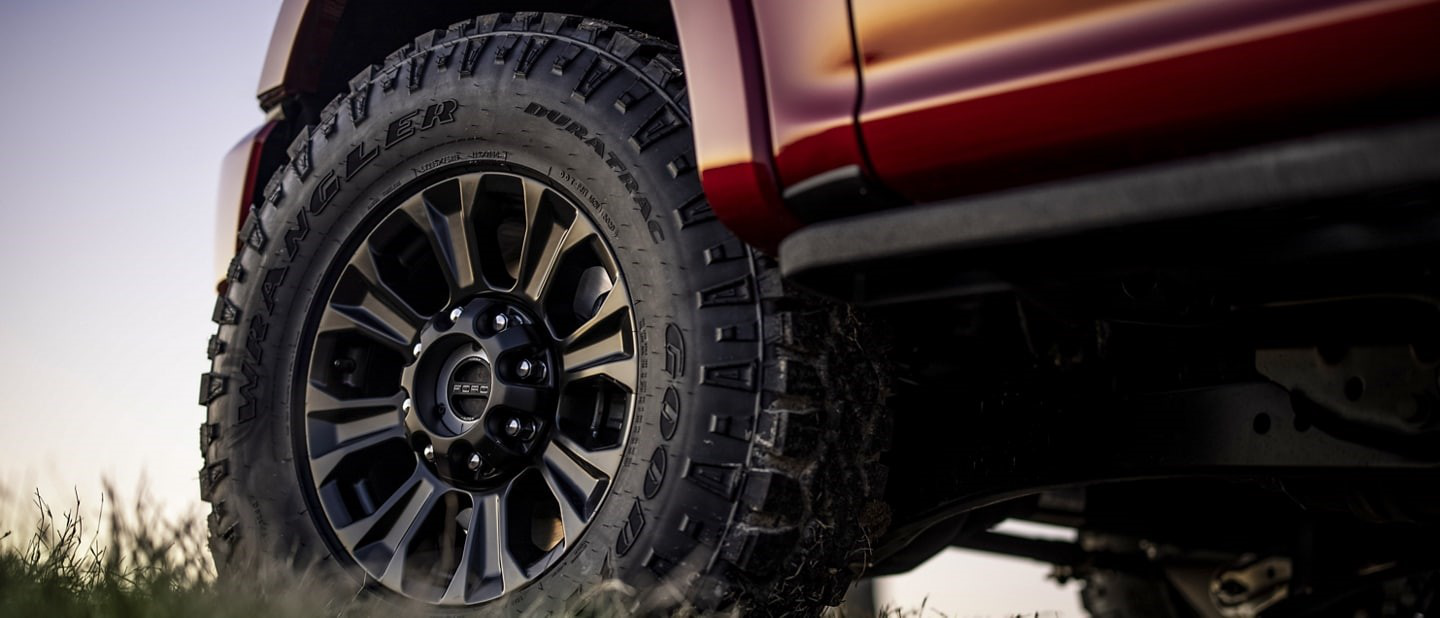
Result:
pixel 113 120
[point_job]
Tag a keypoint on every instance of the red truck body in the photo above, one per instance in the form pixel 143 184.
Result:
pixel 936 99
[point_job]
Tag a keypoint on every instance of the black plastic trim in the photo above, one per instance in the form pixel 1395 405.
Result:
pixel 983 243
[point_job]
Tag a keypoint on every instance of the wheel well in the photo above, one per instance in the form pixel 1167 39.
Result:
pixel 370 29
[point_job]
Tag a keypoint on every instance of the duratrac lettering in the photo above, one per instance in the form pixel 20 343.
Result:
pixel 580 132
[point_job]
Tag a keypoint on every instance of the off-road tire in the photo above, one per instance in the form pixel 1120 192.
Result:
pixel 751 471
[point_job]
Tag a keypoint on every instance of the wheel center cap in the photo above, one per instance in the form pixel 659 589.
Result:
pixel 469 388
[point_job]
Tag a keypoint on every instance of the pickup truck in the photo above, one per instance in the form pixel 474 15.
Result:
pixel 726 304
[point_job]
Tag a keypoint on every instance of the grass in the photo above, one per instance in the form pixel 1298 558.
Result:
pixel 131 561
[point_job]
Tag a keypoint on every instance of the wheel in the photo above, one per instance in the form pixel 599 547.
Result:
pixel 485 346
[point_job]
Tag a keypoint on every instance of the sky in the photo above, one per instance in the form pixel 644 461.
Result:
pixel 114 117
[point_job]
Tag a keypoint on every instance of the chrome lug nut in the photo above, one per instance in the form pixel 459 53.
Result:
pixel 475 461
pixel 501 322
pixel 429 453
pixel 455 314
pixel 517 428
pixel 527 369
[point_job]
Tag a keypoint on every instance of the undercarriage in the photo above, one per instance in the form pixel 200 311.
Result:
pixel 1238 406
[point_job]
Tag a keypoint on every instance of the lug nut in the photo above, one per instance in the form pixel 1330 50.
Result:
pixel 429 453
pixel 527 369
pixel 475 461
pixel 406 405
pixel 517 428
pixel 416 350
pixel 501 322
pixel 455 314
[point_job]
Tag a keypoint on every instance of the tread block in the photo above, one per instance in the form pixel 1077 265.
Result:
pixel 721 479
pixel 389 78
pixel 735 376
pixel 789 433
pixel 636 93
pixel 485 24
pixel 662 122
pixel 522 20
pixel 299 151
pixel 737 427
pixel 470 57
pixel 738 332
pixel 503 47
pixel 589 30
pixel 773 493
pixel 210 475
pixel 566 57
pixel 534 47
pixel 359 98
pixel 739 291
pixel 623 45
pixel 328 115
pixel 681 164
pixel 551 23
pixel 596 73
pixel 274 190
pixel 235 273
pixel 212 385
pixel 443 55
pixel 253 232
pixel 758 551
pixel 708 535
pixel 415 76
pixel 209 433
pixel 215 348
pixel 727 250
pixel 694 212
pixel 225 312
pixel 662 70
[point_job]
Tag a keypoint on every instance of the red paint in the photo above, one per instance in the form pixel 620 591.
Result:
pixel 732 134
pixel 1304 79
pixel 238 184
pixel 812 84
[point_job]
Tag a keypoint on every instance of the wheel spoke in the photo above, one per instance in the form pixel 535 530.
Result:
pixel 483 549
pixel 576 486
pixel 612 310
pixel 334 421
pixel 362 530
pixel 511 573
pixel 599 461
pixel 443 213
pixel 403 531
pixel 322 465
pixel 374 310
pixel 600 348
pixel 620 368
pixel 540 251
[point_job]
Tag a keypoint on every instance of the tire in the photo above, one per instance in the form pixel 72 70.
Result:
pixel 749 470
